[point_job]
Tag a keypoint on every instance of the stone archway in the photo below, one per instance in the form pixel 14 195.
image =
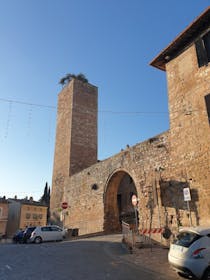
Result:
pixel 117 200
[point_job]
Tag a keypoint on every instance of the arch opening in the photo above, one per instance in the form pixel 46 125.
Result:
pixel 117 201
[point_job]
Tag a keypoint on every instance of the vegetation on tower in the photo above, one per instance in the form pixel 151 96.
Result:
pixel 65 80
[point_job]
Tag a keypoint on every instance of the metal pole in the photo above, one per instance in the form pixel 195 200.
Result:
pixel 136 220
pixel 188 207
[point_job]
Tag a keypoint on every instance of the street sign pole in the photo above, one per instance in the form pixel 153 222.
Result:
pixel 187 198
pixel 64 206
pixel 188 208
pixel 136 219
pixel 134 200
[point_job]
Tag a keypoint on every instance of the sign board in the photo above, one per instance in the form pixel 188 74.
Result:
pixel 187 196
pixel 134 200
pixel 64 205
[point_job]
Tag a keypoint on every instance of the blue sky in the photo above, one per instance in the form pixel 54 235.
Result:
pixel 112 43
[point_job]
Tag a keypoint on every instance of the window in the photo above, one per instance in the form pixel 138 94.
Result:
pixel 28 215
pixel 35 217
pixel 40 216
pixel 207 99
pixel 185 239
pixel 203 49
pixel 1 211
pixel 55 229
pixel 45 229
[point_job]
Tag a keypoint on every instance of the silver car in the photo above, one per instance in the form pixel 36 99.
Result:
pixel 189 253
pixel 47 233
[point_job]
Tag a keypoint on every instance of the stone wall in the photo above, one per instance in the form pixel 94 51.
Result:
pixel 87 207
pixel 189 129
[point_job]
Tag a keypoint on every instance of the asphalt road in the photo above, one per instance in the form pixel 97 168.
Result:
pixel 96 258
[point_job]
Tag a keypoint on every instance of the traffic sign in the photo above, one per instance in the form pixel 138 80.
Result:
pixel 134 200
pixel 64 205
pixel 187 196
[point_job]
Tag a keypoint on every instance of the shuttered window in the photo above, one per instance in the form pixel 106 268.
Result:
pixel 207 99
pixel 203 50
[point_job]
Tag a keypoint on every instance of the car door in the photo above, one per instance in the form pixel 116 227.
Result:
pixel 46 233
pixel 57 233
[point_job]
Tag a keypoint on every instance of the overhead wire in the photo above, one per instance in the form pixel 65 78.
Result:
pixel 12 101
pixel 100 111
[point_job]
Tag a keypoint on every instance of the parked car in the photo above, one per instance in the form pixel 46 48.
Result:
pixel 47 233
pixel 27 234
pixel 18 236
pixel 189 253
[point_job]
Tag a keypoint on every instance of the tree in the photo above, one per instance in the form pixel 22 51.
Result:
pixel 45 199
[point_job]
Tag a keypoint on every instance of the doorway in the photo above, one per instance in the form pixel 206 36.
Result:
pixel 117 201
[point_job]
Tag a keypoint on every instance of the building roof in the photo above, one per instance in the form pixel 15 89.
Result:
pixel 27 202
pixel 3 200
pixel 183 40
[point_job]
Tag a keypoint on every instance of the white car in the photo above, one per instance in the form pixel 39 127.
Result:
pixel 47 233
pixel 189 253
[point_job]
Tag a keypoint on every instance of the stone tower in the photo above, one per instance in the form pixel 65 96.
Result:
pixel 76 135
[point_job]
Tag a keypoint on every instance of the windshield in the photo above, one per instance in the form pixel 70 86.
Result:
pixel 186 238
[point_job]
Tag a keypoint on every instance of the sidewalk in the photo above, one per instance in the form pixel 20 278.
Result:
pixel 154 259
pixel 5 240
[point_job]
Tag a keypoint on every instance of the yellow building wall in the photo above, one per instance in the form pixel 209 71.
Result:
pixel 33 215
pixel 3 217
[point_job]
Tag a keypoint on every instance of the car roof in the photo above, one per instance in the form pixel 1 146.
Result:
pixel 201 230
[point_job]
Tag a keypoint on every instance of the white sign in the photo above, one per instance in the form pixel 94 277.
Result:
pixel 134 200
pixel 187 196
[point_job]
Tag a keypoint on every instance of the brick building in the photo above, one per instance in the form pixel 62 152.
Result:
pixel 157 170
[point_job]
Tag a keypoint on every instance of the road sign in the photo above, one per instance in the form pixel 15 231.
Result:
pixel 64 205
pixel 134 200
pixel 187 196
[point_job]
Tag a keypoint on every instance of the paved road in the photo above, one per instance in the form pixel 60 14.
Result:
pixel 99 258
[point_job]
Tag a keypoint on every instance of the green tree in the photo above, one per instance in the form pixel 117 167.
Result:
pixel 45 199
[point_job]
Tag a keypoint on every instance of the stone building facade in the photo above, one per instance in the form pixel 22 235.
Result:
pixel 157 170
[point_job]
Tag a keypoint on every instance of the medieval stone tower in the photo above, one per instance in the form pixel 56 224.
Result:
pixel 76 134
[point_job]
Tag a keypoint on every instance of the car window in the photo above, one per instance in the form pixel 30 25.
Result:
pixel 45 229
pixel 30 229
pixel 186 238
pixel 56 229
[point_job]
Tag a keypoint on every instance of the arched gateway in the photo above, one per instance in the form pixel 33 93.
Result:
pixel 117 201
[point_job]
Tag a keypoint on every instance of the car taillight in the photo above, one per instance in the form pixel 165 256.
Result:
pixel 197 254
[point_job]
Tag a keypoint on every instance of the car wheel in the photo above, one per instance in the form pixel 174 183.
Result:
pixel 206 275
pixel 38 240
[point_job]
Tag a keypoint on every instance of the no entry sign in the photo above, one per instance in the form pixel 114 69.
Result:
pixel 64 205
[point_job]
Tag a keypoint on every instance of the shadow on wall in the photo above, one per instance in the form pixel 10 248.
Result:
pixel 171 193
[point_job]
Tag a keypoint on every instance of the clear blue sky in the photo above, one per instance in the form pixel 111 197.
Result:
pixel 112 43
